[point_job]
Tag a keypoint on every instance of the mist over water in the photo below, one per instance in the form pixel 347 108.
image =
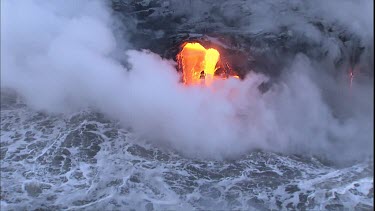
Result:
pixel 64 57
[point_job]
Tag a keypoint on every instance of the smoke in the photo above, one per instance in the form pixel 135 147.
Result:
pixel 63 57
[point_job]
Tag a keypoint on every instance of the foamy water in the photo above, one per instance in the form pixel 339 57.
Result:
pixel 86 162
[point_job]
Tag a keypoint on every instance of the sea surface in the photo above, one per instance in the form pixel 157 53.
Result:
pixel 84 161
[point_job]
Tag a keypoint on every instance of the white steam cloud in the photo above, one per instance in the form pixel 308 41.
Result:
pixel 60 56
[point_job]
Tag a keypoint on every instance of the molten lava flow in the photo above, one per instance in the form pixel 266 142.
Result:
pixel 210 60
pixel 192 58
pixel 198 62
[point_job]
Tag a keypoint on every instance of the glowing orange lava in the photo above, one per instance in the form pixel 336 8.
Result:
pixel 198 64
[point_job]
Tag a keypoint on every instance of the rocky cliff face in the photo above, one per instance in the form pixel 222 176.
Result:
pixel 259 36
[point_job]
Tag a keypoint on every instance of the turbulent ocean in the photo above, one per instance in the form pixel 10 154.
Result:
pixel 94 115
pixel 86 162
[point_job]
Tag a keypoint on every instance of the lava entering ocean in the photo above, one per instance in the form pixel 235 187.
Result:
pixel 199 65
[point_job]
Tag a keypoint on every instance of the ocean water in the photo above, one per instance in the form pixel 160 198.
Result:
pixel 84 161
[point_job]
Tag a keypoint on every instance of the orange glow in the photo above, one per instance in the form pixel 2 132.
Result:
pixel 192 59
pixel 198 64
pixel 210 60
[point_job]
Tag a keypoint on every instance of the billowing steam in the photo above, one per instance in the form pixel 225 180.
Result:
pixel 62 56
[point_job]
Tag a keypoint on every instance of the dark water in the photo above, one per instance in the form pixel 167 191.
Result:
pixel 86 162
